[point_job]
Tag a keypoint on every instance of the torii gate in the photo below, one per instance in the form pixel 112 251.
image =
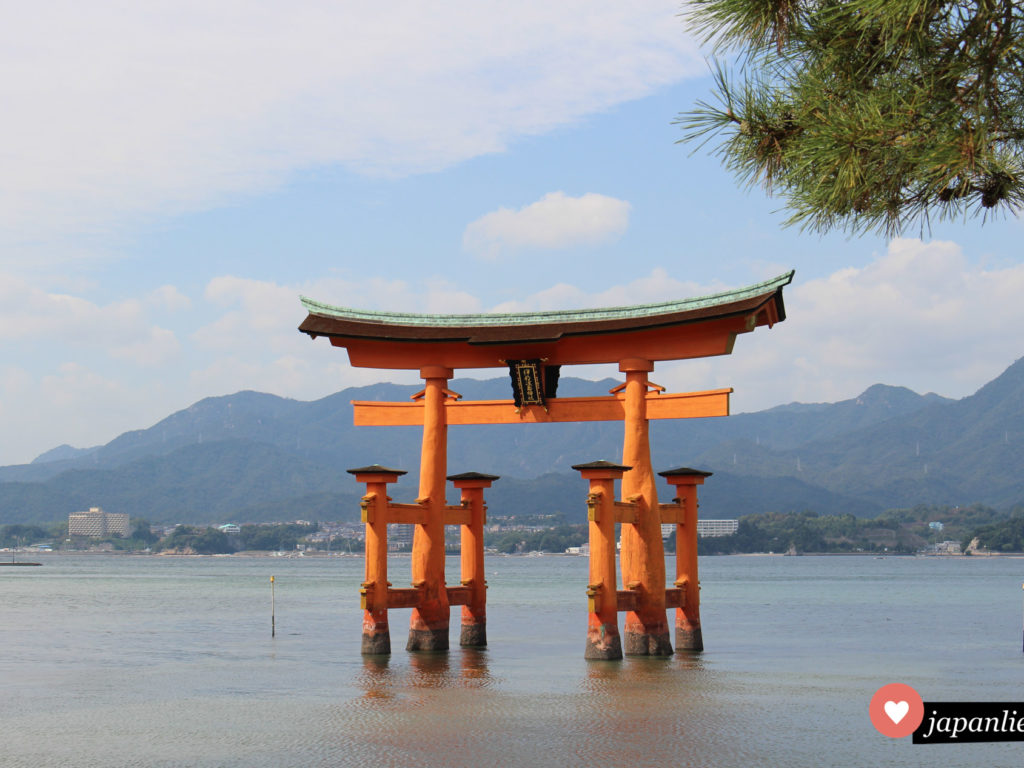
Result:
pixel 534 346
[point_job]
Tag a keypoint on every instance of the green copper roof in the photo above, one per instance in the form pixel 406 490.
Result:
pixel 561 316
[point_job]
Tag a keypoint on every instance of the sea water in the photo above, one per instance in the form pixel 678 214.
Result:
pixel 114 661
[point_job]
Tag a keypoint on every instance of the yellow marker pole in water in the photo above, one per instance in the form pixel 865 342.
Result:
pixel 272 628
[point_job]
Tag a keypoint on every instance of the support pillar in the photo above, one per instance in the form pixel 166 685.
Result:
pixel 688 631
pixel 374 589
pixel 643 552
pixel 474 613
pixel 603 640
pixel 428 626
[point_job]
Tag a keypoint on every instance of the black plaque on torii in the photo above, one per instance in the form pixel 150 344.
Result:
pixel 532 381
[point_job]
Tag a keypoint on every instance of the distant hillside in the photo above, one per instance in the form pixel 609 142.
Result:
pixel 952 452
pixel 253 456
pixel 61 453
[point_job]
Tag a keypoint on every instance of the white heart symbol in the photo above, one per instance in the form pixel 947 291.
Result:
pixel 896 710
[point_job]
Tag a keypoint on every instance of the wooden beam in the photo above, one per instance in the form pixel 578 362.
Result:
pixel 671 513
pixel 457 515
pixel 684 405
pixel 407 514
pixel 626 512
pixel 626 600
pixel 459 595
pixel 404 598
pixel 675 598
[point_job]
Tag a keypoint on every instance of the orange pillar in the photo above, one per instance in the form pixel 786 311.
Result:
pixel 643 552
pixel 428 627
pixel 374 590
pixel 474 615
pixel 688 632
pixel 603 621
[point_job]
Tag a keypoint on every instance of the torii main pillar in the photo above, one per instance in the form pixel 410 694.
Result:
pixel 428 627
pixel 643 554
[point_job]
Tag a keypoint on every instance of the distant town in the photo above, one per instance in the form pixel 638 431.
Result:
pixel 926 530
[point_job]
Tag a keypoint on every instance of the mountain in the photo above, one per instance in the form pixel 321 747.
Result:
pixel 253 456
pixel 61 453
pixel 952 452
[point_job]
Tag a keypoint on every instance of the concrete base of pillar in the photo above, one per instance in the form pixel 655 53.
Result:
pixel 473 636
pixel 427 640
pixel 376 643
pixel 647 643
pixel 689 639
pixel 603 644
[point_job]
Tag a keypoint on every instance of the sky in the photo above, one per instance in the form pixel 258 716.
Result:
pixel 177 174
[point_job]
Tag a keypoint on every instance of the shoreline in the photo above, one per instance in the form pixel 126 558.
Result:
pixel 349 555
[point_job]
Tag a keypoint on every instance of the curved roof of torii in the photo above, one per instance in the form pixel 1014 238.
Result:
pixel 671 330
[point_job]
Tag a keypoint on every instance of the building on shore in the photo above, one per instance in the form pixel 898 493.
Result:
pixel 98 524
pixel 400 538
pixel 717 527
pixel 705 528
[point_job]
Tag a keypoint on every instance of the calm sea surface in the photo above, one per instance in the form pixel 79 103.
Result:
pixel 155 661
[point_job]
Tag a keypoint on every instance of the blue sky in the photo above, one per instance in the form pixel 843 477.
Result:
pixel 177 174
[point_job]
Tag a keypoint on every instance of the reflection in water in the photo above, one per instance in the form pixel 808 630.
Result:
pixel 475 671
pixel 452 703
pixel 376 679
pixel 429 669
pixel 385 677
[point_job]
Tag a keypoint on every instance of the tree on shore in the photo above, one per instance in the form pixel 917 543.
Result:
pixel 869 115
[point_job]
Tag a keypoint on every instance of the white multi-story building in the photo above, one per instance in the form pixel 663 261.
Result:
pixel 705 528
pixel 98 524
pixel 717 527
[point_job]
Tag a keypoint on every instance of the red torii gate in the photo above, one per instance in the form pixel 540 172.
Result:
pixel 534 346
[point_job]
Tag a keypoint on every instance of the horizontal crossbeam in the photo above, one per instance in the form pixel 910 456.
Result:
pixel 412 597
pixel 459 595
pixel 684 405
pixel 626 599
pixel 671 513
pixel 414 514
pixel 675 598
pixel 626 512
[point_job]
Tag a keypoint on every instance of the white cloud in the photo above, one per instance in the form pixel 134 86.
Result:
pixel 72 404
pixel 921 316
pixel 117 110
pixel 655 287
pixel 157 348
pixel 121 328
pixel 263 315
pixel 168 297
pixel 257 344
pixel 555 221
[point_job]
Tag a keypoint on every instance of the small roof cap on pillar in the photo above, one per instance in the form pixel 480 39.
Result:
pixel 375 469
pixel 470 480
pixel 685 472
pixel 474 476
pixel 601 470
pixel 685 476
pixel 601 465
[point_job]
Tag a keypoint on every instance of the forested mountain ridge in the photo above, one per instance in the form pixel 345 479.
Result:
pixel 255 456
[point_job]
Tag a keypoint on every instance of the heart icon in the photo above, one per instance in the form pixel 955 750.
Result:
pixel 896 710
